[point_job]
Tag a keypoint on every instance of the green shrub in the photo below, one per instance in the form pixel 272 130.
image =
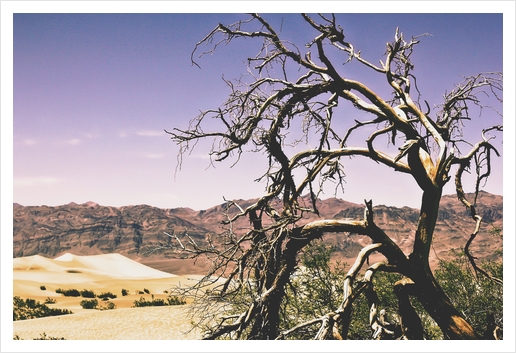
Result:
pixel 85 293
pixel 108 306
pixel 42 287
pixel 146 290
pixel 50 301
pixel 42 336
pixel 124 292
pixel 107 295
pixel 69 292
pixel 175 301
pixel 89 304
pixel 31 309
pixel 142 302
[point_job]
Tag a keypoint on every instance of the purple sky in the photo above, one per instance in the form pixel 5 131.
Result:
pixel 94 92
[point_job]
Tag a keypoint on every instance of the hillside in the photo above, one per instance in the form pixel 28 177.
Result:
pixel 135 231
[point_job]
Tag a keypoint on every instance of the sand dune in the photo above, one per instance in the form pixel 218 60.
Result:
pixel 100 273
pixel 111 265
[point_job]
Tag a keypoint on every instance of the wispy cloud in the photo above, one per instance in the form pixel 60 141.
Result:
pixel 73 142
pixel 153 155
pixel 91 136
pixel 35 181
pixel 29 142
pixel 150 133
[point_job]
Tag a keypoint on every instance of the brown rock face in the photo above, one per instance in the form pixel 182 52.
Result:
pixel 134 231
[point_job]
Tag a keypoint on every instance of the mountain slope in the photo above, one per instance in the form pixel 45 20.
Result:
pixel 135 231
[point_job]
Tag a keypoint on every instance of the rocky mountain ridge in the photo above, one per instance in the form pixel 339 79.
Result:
pixel 134 231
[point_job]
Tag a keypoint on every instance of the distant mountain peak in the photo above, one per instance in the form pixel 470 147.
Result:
pixel 92 229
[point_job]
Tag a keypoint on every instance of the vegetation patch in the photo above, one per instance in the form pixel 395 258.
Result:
pixel 50 301
pixel 107 295
pixel 42 337
pixel 69 292
pixel 32 309
pixel 89 303
pixel 142 302
pixel 85 293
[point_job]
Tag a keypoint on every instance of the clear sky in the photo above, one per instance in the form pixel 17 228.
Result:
pixel 93 94
pixel 85 100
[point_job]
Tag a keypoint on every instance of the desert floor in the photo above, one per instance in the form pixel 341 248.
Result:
pixel 101 274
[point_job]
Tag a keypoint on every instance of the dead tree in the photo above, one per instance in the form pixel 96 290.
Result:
pixel 279 117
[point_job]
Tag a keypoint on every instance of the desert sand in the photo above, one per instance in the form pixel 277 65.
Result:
pixel 101 274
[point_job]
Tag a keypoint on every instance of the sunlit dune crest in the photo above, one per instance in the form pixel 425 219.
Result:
pixel 115 265
pixel 105 265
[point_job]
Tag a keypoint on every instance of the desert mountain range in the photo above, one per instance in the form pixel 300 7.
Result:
pixel 134 231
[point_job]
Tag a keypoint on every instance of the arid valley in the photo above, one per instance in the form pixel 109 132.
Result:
pixel 108 250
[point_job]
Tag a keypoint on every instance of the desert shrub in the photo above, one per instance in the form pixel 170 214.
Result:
pixel 69 292
pixel 89 304
pixel 318 287
pixel 146 290
pixel 106 296
pixel 85 293
pixel 175 301
pixel 50 301
pixel 474 295
pixel 139 292
pixel 42 336
pixel 107 306
pixel 31 309
pixel 124 292
pixel 42 287
pixel 142 302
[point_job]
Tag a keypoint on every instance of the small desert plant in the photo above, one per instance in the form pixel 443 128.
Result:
pixel 42 336
pixel 142 302
pixel 106 296
pixel 50 301
pixel 42 287
pixel 85 293
pixel 108 306
pixel 175 301
pixel 146 290
pixel 124 292
pixel 69 292
pixel 89 304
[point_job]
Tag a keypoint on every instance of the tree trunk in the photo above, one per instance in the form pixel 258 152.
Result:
pixel 437 304
pixel 427 290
